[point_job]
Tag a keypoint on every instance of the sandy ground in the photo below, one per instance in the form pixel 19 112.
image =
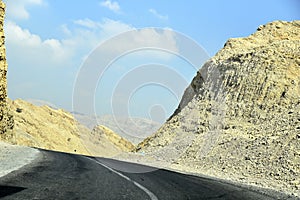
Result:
pixel 14 157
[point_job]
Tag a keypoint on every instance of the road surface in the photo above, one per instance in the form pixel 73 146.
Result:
pixel 69 177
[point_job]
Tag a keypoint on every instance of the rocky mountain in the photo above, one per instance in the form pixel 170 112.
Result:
pixel 133 129
pixel 6 120
pixel 56 129
pixel 45 128
pixel 240 117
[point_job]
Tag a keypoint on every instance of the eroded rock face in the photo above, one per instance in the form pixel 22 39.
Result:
pixel 6 120
pixel 240 117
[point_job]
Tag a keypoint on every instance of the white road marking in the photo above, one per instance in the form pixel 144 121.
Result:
pixel 148 192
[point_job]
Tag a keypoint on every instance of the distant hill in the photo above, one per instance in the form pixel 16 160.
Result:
pixel 240 117
pixel 133 129
pixel 56 129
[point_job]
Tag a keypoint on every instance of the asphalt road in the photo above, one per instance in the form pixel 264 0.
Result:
pixel 67 177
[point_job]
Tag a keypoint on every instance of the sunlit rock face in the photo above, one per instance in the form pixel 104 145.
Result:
pixel 6 120
pixel 240 117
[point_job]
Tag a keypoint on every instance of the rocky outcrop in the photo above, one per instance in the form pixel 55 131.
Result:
pixel 114 138
pixel 240 117
pixel 6 120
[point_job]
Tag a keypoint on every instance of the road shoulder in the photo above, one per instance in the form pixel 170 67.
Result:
pixel 13 157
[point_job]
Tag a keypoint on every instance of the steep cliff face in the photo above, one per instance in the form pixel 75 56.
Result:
pixel 6 120
pixel 240 117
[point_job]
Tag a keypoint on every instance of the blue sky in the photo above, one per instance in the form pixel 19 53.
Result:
pixel 48 40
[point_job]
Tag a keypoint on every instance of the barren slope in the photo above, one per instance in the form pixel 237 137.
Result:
pixel 105 139
pixel 240 117
pixel 47 128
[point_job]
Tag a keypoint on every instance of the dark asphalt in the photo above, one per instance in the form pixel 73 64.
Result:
pixel 67 177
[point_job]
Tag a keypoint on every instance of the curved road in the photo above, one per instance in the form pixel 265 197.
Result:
pixel 67 176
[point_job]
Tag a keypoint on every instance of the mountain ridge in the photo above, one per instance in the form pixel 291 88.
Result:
pixel 240 117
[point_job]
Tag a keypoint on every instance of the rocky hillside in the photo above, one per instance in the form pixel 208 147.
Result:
pixel 240 117
pixel 6 120
pixel 56 129
pixel 105 133
pixel 45 128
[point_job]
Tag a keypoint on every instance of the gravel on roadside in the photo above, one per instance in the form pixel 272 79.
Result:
pixel 14 157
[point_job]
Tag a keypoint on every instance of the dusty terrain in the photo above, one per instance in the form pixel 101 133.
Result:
pixel 104 142
pixel 240 117
pixel 56 129
pixel 116 139
pixel 21 156
pixel 45 128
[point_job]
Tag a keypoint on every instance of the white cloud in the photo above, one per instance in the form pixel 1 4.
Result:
pixel 65 30
pixel 145 39
pixel 90 33
pixel 111 5
pixel 31 49
pixel 159 16
pixel 17 9
pixel 87 23
pixel 112 27
pixel 52 63
pixel 25 48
